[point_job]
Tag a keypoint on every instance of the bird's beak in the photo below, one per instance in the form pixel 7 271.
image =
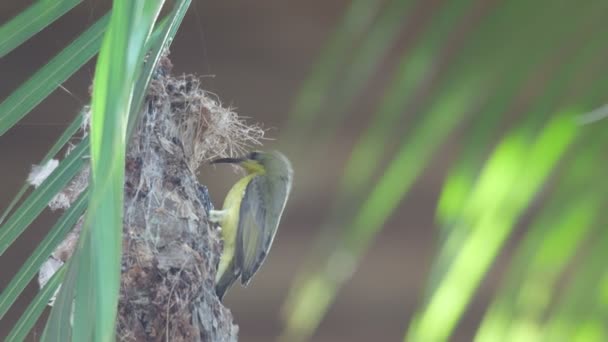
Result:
pixel 228 161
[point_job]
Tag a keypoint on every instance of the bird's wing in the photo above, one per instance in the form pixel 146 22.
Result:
pixel 261 210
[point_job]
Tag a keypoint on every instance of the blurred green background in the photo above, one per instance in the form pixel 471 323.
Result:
pixel 448 161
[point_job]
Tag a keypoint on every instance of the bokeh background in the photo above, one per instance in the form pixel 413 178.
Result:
pixel 444 180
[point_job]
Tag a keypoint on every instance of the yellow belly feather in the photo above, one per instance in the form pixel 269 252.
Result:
pixel 230 221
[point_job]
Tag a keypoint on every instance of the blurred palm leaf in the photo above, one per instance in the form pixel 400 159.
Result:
pixel 476 64
pixel 314 93
pixel 490 214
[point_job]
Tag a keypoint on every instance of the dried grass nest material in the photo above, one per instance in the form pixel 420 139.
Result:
pixel 170 251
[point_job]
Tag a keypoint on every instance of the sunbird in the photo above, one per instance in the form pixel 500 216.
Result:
pixel 250 217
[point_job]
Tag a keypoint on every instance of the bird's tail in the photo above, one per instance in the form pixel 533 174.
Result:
pixel 226 282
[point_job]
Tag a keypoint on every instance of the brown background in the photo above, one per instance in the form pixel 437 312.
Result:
pixel 253 55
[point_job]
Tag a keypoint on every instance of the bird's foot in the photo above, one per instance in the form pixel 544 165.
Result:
pixel 216 215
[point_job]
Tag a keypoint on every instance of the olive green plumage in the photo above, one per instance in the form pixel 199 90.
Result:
pixel 250 216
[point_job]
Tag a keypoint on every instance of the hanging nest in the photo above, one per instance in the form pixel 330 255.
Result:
pixel 170 250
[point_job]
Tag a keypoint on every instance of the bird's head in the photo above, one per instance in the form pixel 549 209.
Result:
pixel 271 163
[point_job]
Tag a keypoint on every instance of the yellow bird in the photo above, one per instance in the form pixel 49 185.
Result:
pixel 250 216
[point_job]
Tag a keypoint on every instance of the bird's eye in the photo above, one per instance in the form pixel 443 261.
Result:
pixel 254 155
